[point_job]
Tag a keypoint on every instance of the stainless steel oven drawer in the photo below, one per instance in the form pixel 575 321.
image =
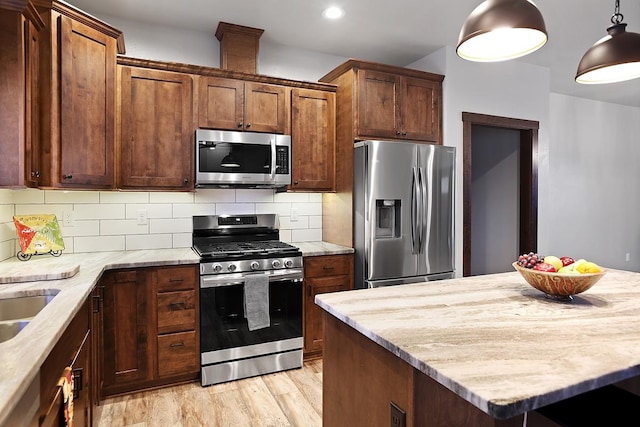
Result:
pixel 245 368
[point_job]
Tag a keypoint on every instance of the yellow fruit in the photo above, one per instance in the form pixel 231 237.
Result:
pixel 588 267
pixel 553 260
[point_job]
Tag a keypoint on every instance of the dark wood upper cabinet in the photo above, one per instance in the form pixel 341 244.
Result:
pixel 389 102
pixel 20 25
pixel 156 122
pixel 313 135
pixel 238 105
pixel 397 107
pixel 87 105
pixel 76 96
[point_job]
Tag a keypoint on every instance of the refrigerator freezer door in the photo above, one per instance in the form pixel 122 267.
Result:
pixel 390 178
pixel 436 166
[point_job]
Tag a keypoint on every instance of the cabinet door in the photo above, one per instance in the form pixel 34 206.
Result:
pixel 156 149
pixel 221 103
pixel 313 139
pixel 32 119
pixel 87 105
pixel 265 107
pixel 313 330
pixel 378 105
pixel 125 336
pixel 420 109
pixel 331 273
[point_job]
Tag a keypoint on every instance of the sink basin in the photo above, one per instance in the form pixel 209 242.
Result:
pixel 15 313
pixel 10 329
pixel 23 307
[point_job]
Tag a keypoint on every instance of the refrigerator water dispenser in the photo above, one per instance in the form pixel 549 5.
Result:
pixel 388 218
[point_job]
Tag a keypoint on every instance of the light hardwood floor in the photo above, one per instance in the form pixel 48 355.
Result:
pixel 290 398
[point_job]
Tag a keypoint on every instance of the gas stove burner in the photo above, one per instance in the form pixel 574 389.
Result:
pixel 234 249
pixel 234 237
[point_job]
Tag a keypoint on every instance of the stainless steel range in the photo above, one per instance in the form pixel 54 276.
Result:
pixel 250 297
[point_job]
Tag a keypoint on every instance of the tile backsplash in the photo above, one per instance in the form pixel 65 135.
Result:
pixel 94 221
pixel 7 230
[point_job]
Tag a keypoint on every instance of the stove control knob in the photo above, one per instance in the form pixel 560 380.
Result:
pixel 288 263
pixel 275 263
pixel 217 268
pixel 232 267
pixel 254 265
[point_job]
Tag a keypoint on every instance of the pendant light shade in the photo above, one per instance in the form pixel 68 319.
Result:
pixel 614 58
pixel 498 30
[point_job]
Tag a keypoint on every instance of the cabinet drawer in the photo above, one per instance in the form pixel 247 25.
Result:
pixel 177 311
pixel 328 265
pixel 176 278
pixel 177 354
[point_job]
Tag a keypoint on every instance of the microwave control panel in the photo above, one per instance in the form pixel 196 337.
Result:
pixel 282 159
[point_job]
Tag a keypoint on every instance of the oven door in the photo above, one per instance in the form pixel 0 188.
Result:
pixel 224 330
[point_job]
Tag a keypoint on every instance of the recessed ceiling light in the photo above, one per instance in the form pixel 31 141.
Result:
pixel 333 12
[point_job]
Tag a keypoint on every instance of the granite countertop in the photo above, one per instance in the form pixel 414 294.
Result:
pixel 21 357
pixel 71 277
pixel 322 248
pixel 499 343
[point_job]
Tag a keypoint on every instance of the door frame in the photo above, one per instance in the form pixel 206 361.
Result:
pixel 528 239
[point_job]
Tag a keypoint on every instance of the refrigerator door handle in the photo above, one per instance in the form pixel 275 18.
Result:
pixel 425 214
pixel 416 217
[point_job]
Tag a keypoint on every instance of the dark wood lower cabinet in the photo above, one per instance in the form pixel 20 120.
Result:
pixel 322 274
pixel 71 354
pixel 148 328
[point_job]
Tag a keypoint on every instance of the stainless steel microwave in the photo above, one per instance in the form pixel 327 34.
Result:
pixel 242 159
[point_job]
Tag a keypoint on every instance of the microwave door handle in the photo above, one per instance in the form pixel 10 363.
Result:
pixel 273 158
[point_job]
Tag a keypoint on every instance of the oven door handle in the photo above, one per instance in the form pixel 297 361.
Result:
pixel 213 281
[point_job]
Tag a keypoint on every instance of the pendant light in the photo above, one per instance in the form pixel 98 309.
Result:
pixel 498 30
pixel 614 58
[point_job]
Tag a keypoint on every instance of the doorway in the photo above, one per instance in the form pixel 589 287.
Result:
pixel 505 152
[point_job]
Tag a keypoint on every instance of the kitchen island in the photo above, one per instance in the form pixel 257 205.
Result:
pixel 475 351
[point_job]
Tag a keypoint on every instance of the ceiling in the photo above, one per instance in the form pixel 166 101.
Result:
pixel 395 32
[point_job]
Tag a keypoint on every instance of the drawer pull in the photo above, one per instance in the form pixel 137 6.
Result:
pixel 176 344
pixel 175 306
pixel 327 267
pixel 77 382
pixel 176 279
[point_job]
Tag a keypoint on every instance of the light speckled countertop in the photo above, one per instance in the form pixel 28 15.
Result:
pixel 21 357
pixel 499 343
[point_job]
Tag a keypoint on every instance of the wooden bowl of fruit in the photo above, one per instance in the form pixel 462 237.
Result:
pixel 558 277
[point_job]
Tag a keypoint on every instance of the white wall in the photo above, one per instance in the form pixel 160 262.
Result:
pixel 594 159
pixel 147 41
pixel 495 186
pixel 508 89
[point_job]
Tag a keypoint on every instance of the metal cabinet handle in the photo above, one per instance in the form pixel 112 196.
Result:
pixel 248 125
pixel 176 344
pixel 327 267
pixel 185 181
pixel 96 304
pixel 65 176
pixel 240 124
pixel 176 279
pixel 77 382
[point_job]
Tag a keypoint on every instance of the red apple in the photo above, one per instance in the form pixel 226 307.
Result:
pixel 566 260
pixel 543 266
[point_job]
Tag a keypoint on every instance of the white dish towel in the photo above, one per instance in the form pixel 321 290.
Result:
pixel 256 301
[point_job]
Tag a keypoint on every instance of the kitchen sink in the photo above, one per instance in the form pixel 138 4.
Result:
pixel 15 313
pixel 10 329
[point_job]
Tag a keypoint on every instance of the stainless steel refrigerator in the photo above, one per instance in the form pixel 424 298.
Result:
pixel 403 213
